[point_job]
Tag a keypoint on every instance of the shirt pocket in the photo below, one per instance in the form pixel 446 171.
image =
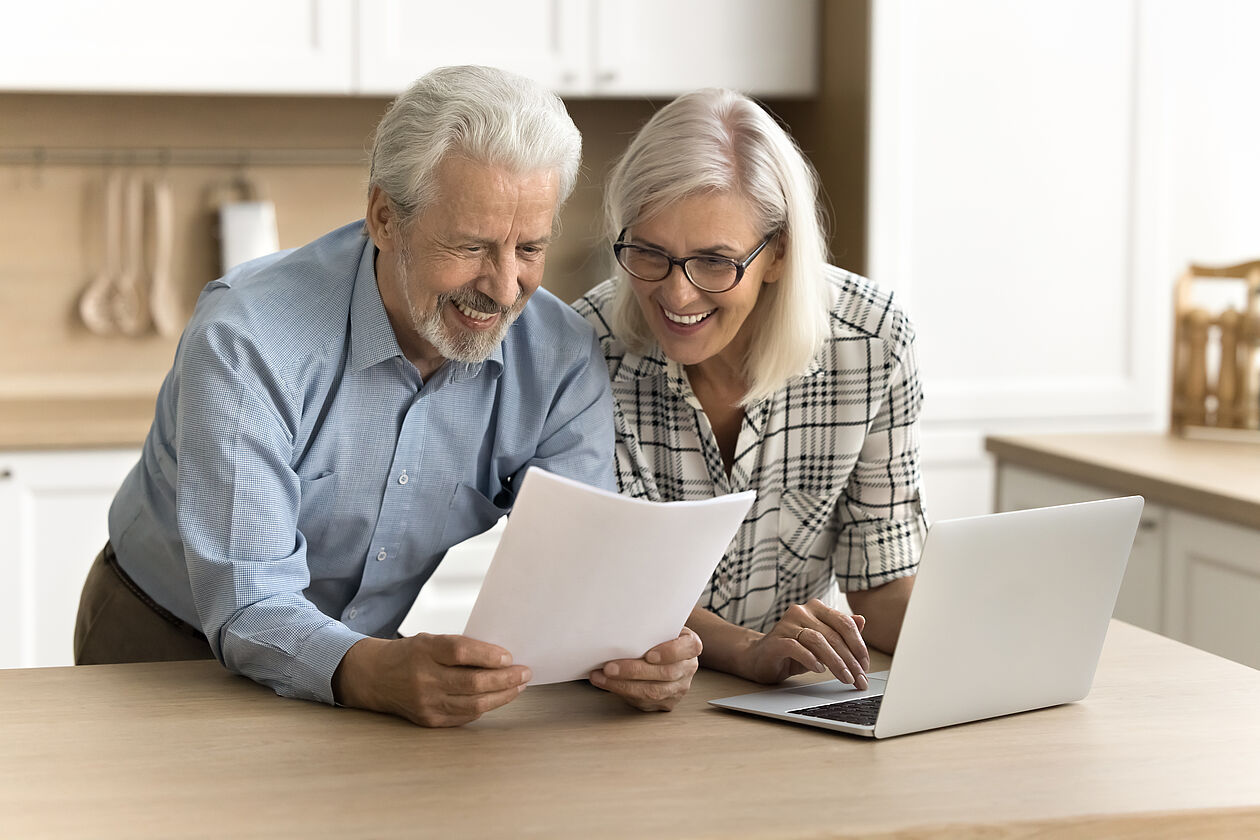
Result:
pixel 470 513
pixel 316 506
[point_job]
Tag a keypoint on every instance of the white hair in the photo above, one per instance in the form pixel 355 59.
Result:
pixel 720 140
pixel 483 113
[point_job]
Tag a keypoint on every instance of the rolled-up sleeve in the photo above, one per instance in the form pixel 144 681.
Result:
pixel 879 519
pixel 237 510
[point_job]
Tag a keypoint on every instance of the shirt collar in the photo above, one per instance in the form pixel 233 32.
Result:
pixel 372 338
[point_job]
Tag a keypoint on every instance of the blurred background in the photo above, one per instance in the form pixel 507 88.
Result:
pixel 1030 177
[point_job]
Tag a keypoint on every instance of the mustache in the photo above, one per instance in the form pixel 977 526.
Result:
pixel 479 301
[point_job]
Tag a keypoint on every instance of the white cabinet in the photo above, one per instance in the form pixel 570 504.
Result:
pixel 143 46
pixel 1141 599
pixel 53 508
pixel 1193 578
pixel 378 47
pixel 598 47
pixel 1212 590
pixel 399 41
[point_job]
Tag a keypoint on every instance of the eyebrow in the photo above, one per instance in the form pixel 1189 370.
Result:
pixel 712 250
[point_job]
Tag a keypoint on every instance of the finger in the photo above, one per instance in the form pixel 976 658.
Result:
pixel 461 650
pixel 639 669
pixel 644 694
pixel 470 681
pixel 844 630
pixel 686 646
pixel 838 659
pixel 472 706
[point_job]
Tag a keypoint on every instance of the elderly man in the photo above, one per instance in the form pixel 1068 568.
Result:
pixel 339 415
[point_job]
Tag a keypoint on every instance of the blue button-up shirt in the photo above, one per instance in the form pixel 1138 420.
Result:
pixel 301 481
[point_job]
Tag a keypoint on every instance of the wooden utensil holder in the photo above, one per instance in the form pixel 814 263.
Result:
pixel 1224 401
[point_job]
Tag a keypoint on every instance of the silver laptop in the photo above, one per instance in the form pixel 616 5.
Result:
pixel 1008 614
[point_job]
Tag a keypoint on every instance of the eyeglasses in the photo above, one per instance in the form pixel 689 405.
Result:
pixel 706 272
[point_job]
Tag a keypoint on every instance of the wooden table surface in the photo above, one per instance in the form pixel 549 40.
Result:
pixel 1214 478
pixel 1166 745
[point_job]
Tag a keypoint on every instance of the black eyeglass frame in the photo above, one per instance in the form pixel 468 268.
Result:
pixel 740 266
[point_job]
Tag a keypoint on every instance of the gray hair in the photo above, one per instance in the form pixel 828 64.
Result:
pixel 483 113
pixel 720 140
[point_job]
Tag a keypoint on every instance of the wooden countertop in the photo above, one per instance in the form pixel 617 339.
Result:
pixel 1214 478
pixel 1165 745
pixel 64 422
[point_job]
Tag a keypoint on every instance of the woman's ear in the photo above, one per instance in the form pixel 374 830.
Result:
pixel 778 255
pixel 382 220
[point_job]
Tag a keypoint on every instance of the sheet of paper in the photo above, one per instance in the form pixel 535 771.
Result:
pixel 582 576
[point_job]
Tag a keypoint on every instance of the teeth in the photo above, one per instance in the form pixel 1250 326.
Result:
pixel 474 314
pixel 687 320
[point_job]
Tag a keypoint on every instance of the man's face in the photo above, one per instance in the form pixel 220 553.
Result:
pixel 455 278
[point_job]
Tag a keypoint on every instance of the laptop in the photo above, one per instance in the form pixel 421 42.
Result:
pixel 1008 614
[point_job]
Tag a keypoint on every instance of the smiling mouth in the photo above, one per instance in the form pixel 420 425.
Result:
pixel 686 320
pixel 473 313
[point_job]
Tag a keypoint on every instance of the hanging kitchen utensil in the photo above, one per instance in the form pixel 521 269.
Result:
pixel 247 226
pixel 164 304
pixel 131 294
pixel 95 306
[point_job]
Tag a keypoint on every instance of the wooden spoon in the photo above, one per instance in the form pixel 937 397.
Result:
pixel 163 304
pixel 131 297
pixel 95 307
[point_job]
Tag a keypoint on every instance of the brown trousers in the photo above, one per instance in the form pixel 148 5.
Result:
pixel 118 622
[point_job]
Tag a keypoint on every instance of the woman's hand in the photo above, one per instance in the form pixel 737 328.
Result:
pixel 810 637
pixel 656 681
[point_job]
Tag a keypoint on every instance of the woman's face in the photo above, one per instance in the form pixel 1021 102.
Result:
pixel 711 223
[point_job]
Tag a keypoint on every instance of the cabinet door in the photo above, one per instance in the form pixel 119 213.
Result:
pixel 53 509
pixel 666 47
pixel 546 40
pixel 1141 599
pixel 1213 586
pixel 143 46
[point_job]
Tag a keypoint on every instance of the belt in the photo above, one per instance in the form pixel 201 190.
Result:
pixel 111 561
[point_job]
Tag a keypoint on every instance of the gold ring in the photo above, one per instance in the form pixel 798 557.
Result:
pixel 797 637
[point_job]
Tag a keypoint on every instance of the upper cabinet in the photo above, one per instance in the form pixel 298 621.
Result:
pixel 156 46
pixel 378 47
pixel 598 47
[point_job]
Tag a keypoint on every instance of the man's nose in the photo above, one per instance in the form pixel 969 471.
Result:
pixel 502 279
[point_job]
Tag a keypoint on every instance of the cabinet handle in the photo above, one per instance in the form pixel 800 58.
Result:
pixel 5 472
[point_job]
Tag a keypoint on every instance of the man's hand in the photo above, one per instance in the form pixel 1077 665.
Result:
pixel 810 637
pixel 658 680
pixel 429 680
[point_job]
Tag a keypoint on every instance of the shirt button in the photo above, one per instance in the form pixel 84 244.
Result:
pixel 402 479
pixel 382 554
pixel 354 612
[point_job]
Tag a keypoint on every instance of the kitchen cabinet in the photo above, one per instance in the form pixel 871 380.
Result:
pixel 378 47
pixel 152 46
pixel 1141 594
pixel 53 508
pixel 53 521
pixel 598 47
pixel 1194 572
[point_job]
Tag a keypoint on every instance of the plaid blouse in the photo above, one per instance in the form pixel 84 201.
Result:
pixel 833 456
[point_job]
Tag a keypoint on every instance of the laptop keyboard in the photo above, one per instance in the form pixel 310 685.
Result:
pixel 862 712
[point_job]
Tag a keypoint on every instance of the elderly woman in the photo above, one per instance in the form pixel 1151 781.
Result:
pixel 741 360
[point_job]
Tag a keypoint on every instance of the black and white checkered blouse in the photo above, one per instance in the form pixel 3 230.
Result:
pixel 833 456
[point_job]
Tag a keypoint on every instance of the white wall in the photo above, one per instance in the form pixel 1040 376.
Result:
pixel 1041 171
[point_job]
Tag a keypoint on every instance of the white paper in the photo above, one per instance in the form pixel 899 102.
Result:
pixel 583 576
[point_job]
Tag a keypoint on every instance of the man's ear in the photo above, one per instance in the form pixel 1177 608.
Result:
pixel 382 220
